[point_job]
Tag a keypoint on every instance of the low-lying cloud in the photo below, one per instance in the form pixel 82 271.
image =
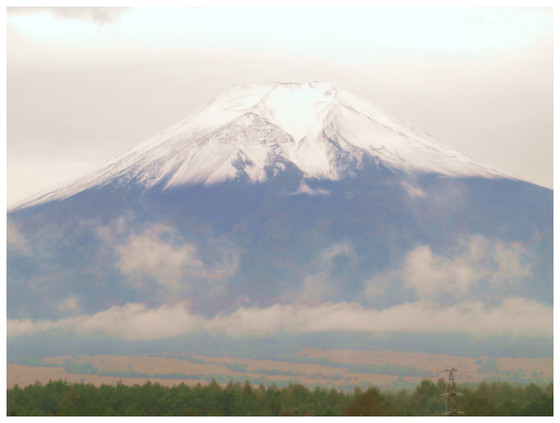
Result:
pixel 71 304
pixel 320 285
pixel 16 240
pixel 413 190
pixel 148 255
pixel 313 192
pixel 135 321
pixel 439 278
pixel 159 253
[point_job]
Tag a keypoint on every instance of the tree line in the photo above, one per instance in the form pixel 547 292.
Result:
pixel 61 398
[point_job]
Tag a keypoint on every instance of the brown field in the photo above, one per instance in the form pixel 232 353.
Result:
pixel 438 363
pixel 155 368
pixel 27 375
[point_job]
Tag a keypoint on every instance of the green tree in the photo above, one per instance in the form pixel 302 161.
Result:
pixel 540 406
pixel 62 398
pixel 427 399
pixel 230 400
pixel 249 400
pixel 368 403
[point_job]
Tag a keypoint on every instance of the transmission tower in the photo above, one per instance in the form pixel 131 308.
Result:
pixel 452 407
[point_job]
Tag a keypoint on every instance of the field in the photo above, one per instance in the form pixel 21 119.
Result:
pixel 340 368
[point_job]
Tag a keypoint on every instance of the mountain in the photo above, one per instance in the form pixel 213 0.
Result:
pixel 251 132
pixel 281 195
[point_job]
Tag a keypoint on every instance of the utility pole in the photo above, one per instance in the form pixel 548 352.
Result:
pixel 452 407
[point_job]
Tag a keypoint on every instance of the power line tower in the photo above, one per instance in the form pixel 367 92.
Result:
pixel 452 407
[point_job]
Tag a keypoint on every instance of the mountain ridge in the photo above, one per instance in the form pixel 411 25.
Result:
pixel 247 130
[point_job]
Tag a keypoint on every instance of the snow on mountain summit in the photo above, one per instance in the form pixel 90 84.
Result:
pixel 321 129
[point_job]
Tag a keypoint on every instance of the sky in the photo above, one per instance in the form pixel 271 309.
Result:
pixel 85 85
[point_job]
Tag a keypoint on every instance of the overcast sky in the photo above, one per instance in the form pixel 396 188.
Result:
pixel 87 84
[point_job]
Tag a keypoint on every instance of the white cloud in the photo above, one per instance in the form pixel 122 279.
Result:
pixel 319 285
pixel 136 321
pixel 16 240
pixel 515 316
pixel 344 249
pixel 413 191
pixel 115 230
pixel 431 275
pixel 71 304
pixel 148 255
pixel 131 321
pixel 17 327
pixel 510 268
pixel 437 278
pixel 307 190
pixel 159 254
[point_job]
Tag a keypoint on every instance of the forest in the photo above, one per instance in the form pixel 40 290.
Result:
pixel 61 398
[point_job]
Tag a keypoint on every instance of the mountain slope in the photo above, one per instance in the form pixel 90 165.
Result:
pixel 253 131
pixel 281 206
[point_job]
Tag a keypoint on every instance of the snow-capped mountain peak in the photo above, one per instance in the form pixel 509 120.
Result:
pixel 321 129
